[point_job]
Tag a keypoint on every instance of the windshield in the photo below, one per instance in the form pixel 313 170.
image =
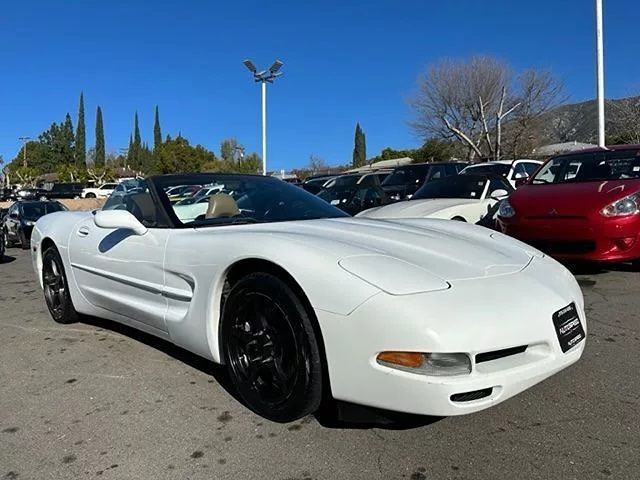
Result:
pixel 457 186
pixel 406 176
pixel 336 195
pixel 236 199
pixel 343 181
pixel 590 167
pixel 33 211
pixel 488 169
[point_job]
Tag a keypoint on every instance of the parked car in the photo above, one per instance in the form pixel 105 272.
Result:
pixel 65 190
pixel 418 332
pixel 580 206
pixel 467 198
pixel 6 194
pixel 3 245
pixel 354 179
pixel 31 194
pixel 515 171
pixel 355 198
pixel 103 191
pixel 22 216
pixel 314 184
pixel 181 192
pixel 404 181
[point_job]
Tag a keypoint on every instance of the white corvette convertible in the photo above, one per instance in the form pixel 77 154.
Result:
pixel 302 302
pixel 467 198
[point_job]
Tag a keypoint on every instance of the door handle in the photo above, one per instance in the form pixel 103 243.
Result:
pixel 83 231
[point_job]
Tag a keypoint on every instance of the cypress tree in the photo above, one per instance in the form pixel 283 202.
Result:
pixel 81 147
pixel 360 148
pixel 67 148
pixel 100 152
pixel 157 133
pixel 130 151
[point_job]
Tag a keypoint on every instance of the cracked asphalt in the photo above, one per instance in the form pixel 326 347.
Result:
pixel 95 400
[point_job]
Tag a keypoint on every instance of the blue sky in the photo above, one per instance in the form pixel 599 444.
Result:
pixel 345 62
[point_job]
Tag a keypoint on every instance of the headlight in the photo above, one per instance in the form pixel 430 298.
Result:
pixel 434 364
pixel 629 205
pixel 506 210
pixel 29 223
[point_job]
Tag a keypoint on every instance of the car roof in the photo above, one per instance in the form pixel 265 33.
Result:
pixel 608 148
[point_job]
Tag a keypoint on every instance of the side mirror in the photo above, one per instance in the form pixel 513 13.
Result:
pixel 499 193
pixel 119 219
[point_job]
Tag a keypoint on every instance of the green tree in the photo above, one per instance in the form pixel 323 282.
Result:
pixel 157 132
pixel 99 160
pixel 137 143
pixel 359 149
pixel 66 144
pixel 178 156
pixel 81 147
pixel 130 151
pixel 251 163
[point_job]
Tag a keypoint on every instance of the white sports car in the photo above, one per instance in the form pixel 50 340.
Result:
pixel 467 198
pixel 302 302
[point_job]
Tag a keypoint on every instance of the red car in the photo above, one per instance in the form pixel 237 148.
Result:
pixel 580 206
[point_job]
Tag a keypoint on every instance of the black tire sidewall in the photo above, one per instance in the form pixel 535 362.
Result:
pixel 68 314
pixel 307 393
pixel 24 242
pixel 90 195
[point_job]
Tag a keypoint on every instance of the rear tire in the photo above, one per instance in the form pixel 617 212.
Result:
pixel 24 241
pixel 270 349
pixel 459 219
pixel 56 288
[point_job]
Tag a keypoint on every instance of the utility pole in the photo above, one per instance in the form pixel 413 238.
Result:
pixel 24 150
pixel 600 74
pixel 263 77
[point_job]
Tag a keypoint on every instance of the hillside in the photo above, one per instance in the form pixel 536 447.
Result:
pixel 579 121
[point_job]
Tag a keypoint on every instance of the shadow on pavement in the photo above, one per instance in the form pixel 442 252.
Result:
pixel 7 259
pixel 332 414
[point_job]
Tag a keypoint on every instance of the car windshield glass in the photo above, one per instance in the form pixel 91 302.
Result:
pixel 33 211
pixel 457 186
pixel 488 169
pixel 343 181
pixel 238 199
pixel 336 195
pixel 590 167
pixel 405 176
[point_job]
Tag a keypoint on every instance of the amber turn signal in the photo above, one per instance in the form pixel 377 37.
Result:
pixel 404 359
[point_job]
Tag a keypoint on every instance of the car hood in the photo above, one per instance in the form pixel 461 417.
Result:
pixel 415 208
pixel 443 249
pixel 569 199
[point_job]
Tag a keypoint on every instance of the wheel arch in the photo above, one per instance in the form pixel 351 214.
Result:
pixel 246 266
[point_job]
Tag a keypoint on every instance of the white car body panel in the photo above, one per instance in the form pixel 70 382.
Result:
pixel 99 192
pixel 444 208
pixel 431 293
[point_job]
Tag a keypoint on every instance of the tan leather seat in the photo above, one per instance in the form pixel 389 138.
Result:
pixel 222 205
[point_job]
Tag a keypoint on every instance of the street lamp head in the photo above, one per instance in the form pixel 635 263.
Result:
pixel 249 64
pixel 276 66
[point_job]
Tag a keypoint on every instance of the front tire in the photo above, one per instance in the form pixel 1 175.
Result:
pixel 459 219
pixel 90 195
pixel 56 288
pixel 270 349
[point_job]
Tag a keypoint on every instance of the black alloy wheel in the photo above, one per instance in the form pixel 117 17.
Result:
pixel 270 349
pixel 56 291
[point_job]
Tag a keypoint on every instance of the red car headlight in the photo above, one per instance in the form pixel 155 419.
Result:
pixel 629 205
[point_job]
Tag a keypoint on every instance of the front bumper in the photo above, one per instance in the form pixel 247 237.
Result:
pixel 606 240
pixel 465 318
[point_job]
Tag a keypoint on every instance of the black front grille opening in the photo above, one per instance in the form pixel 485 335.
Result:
pixel 496 354
pixel 471 396
pixel 552 246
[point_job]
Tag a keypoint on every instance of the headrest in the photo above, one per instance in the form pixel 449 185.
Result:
pixel 222 205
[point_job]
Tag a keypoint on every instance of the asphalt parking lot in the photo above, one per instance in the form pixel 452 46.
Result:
pixel 97 400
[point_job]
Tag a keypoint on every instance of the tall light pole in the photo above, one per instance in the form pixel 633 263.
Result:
pixel 264 76
pixel 24 150
pixel 600 74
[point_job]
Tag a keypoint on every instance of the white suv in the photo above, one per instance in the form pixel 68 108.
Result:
pixel 103 191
